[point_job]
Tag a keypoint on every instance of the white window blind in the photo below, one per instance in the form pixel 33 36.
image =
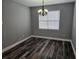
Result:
pixel 50 21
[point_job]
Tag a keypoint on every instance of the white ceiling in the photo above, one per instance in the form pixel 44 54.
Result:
pixel 31 3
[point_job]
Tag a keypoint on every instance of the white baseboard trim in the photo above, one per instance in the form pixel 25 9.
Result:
pixel 13 45
pixel 52 38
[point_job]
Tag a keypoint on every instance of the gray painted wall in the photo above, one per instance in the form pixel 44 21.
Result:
pixel 66 18
pixel 16 22
pixel 74 29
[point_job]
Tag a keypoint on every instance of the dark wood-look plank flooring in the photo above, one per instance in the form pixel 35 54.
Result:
pixel 39 48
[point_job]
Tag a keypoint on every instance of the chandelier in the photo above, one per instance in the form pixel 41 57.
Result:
pixel 42 11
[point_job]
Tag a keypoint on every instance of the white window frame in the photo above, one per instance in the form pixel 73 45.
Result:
pixel 47 20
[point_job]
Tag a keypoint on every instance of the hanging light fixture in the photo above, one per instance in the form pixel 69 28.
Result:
pixel 42 11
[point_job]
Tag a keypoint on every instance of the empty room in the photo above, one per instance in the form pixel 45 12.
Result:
pixel 38 29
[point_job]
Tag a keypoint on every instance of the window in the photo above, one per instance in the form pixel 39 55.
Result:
pixel 50 21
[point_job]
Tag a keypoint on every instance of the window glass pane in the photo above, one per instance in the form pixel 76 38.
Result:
pixel 54 15
pixel 42 18
pixel 53 25
pixel 43 25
